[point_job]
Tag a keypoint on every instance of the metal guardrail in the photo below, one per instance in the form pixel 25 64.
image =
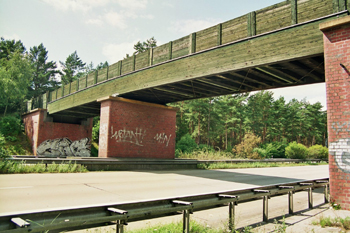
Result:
pixel 121 214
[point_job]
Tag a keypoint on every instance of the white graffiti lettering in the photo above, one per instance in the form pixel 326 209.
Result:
pixel 64 147
pixel 162 138
pixel 130 136
pixel 103 136
pixel 341 127
pixel 341 152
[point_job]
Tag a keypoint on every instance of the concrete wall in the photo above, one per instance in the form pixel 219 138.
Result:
pixel 337 69
pixel 133 129
pixel 39 129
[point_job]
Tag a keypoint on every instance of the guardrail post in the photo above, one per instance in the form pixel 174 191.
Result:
pixel 231 220
pixel 266 209
pixel 310 198
pixel 290 202
pixel 120 222
pixel 326 194
pixel 186 221
pixel 186 215
pixel 120 226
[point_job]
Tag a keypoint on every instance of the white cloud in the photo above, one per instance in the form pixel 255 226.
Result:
pixel 132 4
pixel 95 21
pixel 116 52
pixel 12 37
pixel 192 25
pixel 116 19
pixel 76 5
pixel 313 93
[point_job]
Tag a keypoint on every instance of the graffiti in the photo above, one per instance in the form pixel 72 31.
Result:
pixel 341 152
pixel 103 136
pixel 162 138
pixel 338 127
pixel 64 147
pixel 134 137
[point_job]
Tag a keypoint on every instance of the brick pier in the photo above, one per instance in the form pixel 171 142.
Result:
pixel 337 70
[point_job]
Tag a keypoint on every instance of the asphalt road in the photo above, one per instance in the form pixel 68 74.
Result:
pixel 23 193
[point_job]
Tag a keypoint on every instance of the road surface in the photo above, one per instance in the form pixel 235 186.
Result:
pixel 22 193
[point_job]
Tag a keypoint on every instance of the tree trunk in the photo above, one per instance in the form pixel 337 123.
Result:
pixel 5 110
pixel 226 135
pixel 199 127
pixel 208 127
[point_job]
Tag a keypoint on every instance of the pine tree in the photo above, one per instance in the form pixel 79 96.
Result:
pixel 73 68
pixel 44 72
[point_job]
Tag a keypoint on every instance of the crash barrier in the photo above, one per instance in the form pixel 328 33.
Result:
pixel 121 214
pixel 113 164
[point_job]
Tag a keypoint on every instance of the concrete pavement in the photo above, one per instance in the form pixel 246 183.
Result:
pixel 37 192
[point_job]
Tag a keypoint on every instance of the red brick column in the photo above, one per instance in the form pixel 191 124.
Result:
pixel 337 69
pixel 134 129
pixel 39 129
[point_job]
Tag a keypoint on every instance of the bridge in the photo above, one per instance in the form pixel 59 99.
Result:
pixel 291 43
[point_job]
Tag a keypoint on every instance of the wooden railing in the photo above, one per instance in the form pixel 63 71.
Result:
pixel 271 18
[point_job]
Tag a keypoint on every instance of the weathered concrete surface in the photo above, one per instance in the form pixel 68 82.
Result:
pixel 31 192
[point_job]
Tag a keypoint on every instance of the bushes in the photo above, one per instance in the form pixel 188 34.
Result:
pixel 272 150
pixel 318 152
pixel 186 144
pixel 96 129
pixel 10 126
pixel 246 148
pixel 296 151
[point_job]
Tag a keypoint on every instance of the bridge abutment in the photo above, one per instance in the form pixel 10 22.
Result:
pixel 337 70
pixel 135 129
pixel 57 137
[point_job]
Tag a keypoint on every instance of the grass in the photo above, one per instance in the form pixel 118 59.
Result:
pixel 207 155
pixel 223 165
pixel 14 167
pixel 343 223
pixel 176 227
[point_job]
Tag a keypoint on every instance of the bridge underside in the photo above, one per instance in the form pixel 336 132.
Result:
pixel 303 71
pixel 284 74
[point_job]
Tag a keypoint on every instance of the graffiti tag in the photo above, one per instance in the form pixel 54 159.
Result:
pixel 103 136
pixel 64 147
pixel 130 136
pixel 341 152
pixel 341 127
pixel 162 138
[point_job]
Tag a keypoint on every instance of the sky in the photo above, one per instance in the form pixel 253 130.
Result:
pixel 106 30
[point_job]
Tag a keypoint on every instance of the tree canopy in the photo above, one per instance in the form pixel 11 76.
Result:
pixel 73 68
pixel 225 120
pixel 44 72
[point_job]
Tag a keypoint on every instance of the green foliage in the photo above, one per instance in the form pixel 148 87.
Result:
pixel 73 68
pixel 96 129
pixel 13 167
pixel 43 77
pixel 186 144
pixel 296 151
pixel 8 47
pixel 94 149
pixel 15 75
pixel 343 223
pixel 223 165
pixel 280 227
pixel 9 126
pixel 272 150
pixel 318 152
pixel 205 148
pixel 246 148
pixel 224 121
pixel 195 227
